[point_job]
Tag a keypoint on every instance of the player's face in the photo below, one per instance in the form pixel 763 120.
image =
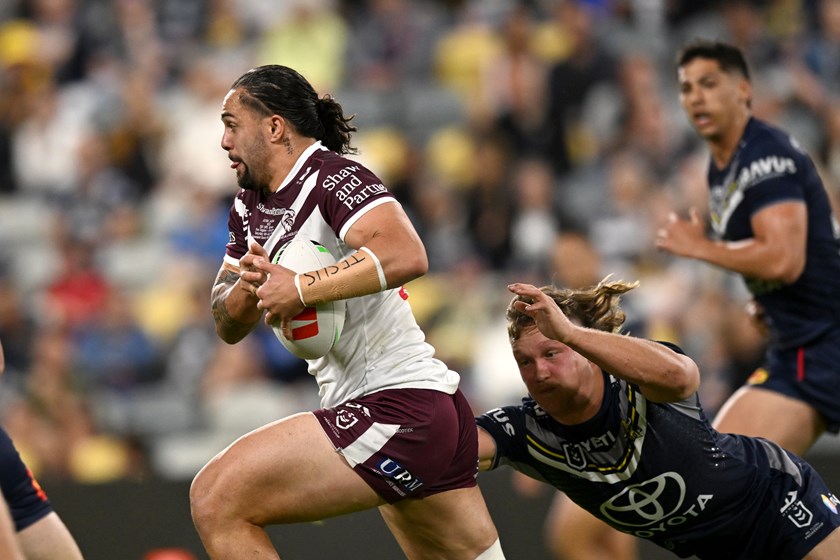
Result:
pixel 712 98
pixel 549 368
pixel 246 142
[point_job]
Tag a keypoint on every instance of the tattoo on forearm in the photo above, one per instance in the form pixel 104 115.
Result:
pixel 227 278
pixel 224 322
pixel 326 272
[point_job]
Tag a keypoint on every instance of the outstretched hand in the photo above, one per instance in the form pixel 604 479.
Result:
pixel 682 237
pixel 549 318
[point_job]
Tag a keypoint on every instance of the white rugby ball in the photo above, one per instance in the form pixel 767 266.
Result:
pixel 315 330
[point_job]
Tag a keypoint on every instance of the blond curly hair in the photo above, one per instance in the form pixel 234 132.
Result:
pixel 596 307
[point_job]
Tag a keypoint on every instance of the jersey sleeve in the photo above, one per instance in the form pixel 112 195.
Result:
pixel 237 244
pixel 777 175
pixel 506 426
pixel 690 406
pixel 348 190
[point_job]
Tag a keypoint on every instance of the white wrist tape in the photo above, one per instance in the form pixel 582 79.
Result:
pixel 300 292
pixel 383 283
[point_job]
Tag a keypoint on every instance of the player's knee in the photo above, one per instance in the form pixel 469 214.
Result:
pixel 206 505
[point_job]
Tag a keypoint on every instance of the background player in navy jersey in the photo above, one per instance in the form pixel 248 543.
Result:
pixel 772 223
pixel 40 533
pixel 614 422
pixel 394 431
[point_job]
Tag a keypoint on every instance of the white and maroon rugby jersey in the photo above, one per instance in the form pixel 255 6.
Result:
pixel 381 345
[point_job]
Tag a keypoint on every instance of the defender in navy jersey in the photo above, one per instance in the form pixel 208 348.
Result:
pixel 38 530
pixel 772 223
pixel 394 431
pixel 614 422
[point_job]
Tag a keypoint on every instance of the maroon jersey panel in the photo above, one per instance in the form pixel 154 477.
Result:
pixel 326 187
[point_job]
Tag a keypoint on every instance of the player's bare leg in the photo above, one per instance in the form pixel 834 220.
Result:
pixel 572 533
pixel 284 472
pixel 453 525
pixel 754 411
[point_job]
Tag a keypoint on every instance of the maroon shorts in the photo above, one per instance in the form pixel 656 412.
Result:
pixel 406 443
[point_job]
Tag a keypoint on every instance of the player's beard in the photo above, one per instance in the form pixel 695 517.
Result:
pixel 250 177
pixel 247 181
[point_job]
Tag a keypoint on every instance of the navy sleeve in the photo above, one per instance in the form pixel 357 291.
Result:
pixel 776 176
pixel 506 426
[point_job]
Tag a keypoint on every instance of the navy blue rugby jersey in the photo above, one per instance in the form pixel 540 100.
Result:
pixel 770 167
pixel 656 470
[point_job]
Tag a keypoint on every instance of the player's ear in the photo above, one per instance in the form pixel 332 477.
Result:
pixel 277 127
pixel 745 92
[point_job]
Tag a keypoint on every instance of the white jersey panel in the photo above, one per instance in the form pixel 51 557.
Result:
pixel 381 346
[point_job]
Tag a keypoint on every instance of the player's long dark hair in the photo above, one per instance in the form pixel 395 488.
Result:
pixel 280 90
pixel 596 307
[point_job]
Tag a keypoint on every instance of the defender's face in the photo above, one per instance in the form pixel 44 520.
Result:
pixel 712 98
pixel 548 367
pixel 246 142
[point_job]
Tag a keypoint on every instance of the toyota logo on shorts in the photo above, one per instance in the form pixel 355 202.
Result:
pixel 646 503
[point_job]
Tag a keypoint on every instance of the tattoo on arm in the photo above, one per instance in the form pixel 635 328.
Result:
pixel 224 322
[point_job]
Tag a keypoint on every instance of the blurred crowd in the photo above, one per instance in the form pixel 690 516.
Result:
pixel 537 141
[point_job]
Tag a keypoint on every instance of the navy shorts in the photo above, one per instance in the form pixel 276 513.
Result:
pixel 788 512
pixel 406 443
pixel 27 501
pixel 809 373
pixel 796 513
